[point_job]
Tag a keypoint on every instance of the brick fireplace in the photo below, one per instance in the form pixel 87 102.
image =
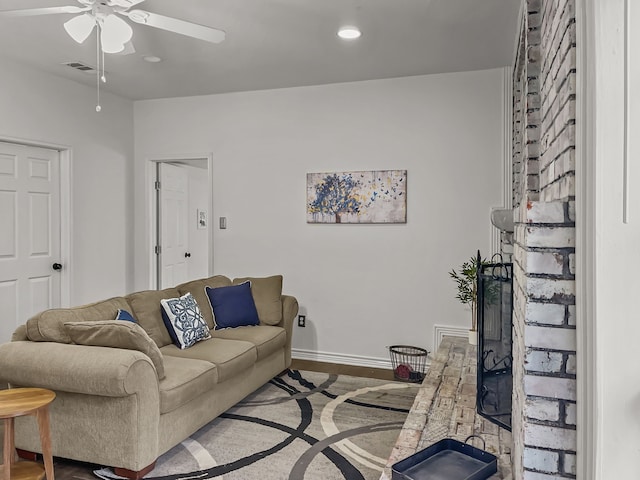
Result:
pixel 543 244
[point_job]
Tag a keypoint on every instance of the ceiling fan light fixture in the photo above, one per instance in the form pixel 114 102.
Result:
pixel 126 3
pixel 349 32
pixel 114 34
pixel 128 49
pixel 79 28
pixel 138 16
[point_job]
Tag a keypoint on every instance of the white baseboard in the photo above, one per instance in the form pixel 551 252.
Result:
pixel 340 358
pixel 345 359
pixel 440 331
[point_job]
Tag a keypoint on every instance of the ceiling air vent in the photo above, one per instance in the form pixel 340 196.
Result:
pixel 83 67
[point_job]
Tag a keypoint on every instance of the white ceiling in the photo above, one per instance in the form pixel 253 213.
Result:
pixel 276 43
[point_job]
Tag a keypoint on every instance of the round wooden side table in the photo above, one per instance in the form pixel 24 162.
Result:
pixel 16 402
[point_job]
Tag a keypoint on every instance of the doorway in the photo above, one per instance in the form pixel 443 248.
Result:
pixel 34 236
pixel 182 232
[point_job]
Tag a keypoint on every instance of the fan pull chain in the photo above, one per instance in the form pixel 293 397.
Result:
pixel 103 77
pixel 98 49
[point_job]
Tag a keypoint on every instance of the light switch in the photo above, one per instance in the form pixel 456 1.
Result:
pixel 223 223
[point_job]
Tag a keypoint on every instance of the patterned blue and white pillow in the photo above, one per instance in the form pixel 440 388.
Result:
pixel 184 321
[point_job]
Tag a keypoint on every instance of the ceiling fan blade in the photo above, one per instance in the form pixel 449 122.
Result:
pixel 189 29
pixel 79 28
pixel 30 12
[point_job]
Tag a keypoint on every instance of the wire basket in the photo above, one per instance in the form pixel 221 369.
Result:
pixel 409 363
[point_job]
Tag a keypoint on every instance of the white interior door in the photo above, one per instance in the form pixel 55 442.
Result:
pixel 173 237
pixel 30 234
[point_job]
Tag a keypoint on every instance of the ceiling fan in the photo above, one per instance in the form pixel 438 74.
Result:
pixel 115 32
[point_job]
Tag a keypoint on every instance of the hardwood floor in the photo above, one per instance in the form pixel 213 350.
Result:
pixel 339 369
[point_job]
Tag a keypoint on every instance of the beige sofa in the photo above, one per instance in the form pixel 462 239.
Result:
pixel 111 408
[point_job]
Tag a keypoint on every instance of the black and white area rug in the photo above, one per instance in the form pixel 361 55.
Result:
pixel 300 426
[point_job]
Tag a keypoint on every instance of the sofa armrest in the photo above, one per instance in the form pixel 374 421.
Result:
pixel 107 406
pixel 102 371
pixel 289 312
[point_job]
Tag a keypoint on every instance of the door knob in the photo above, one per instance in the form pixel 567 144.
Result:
pixel 57 266
pixel 187 255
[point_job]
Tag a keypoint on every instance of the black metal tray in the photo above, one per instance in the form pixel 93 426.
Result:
pixel 447 459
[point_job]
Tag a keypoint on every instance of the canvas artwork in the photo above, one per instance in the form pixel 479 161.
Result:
pixel 357 197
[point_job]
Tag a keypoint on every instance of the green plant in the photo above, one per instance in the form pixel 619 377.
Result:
pixel 466 281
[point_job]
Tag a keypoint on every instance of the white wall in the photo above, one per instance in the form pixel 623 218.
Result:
pixel 41 108
pixel 363 287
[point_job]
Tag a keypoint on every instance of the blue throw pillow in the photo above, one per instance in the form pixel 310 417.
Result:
pixel 184 321
pixel 232 306
pixel 126 316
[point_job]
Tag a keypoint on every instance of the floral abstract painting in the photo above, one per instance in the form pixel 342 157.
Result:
pixel 357 197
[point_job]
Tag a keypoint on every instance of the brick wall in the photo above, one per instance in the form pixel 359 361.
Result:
pixel 544 423
pixel 519 123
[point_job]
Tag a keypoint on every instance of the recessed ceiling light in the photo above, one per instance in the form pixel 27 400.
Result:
pixel 349 33
pixel 151 59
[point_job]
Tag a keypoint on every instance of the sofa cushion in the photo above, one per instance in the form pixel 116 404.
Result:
pixel 232 357
pixel 116 334
pixel 185 379
pixel 147 309
pixel 266 338
pixel 233 306
pixel 196 288
pixel 267 295
pixel 184 321
pixel 48 326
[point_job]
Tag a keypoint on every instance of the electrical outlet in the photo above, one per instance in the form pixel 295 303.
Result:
pixel 302 320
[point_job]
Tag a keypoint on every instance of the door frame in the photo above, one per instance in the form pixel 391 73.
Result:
pixel 588 389
pixel 152 207
pixel 65 153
